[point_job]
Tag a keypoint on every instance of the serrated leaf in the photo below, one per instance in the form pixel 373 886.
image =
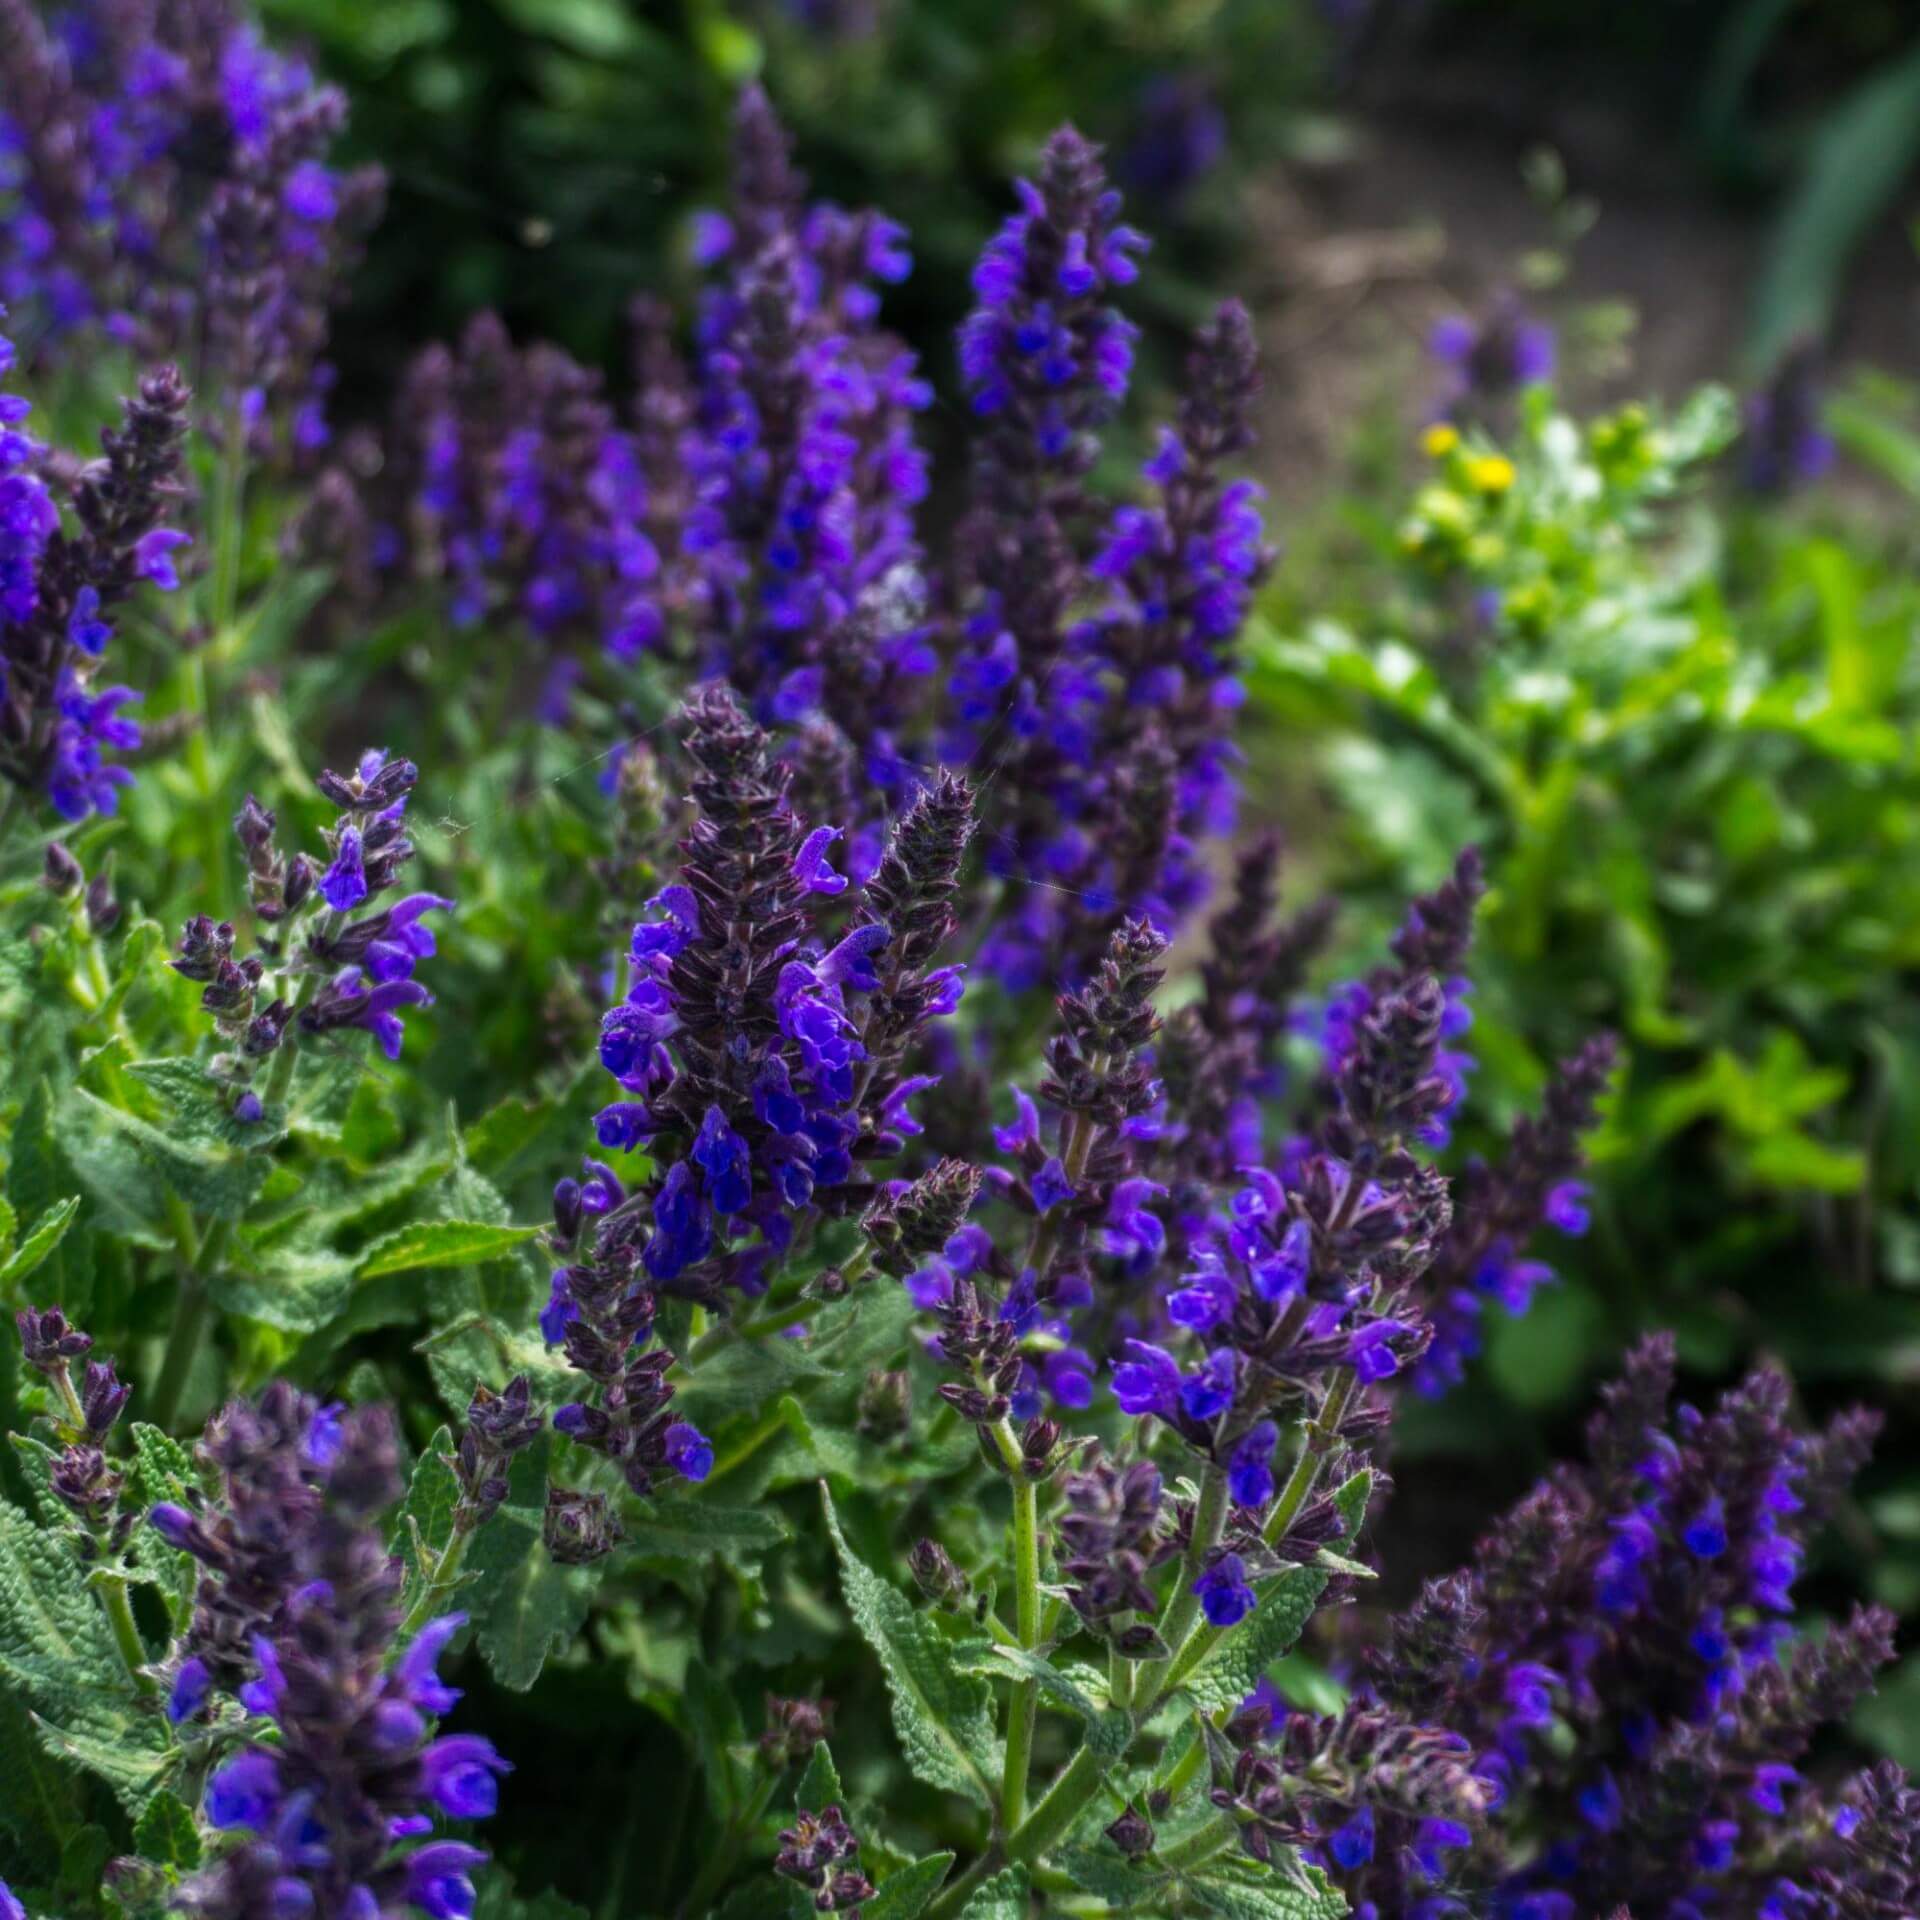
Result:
pixel 38 1179
pixel 440 1243
pixel 907 1894
pixel 527 1607
pixel 1114 1879
pixel 943 1716
pixel 36 1466
pixel 1239 1659
pixel 167 1835
pixel 425 1522
pixel 1278 1897
pixel 59 1660
pixel 684 1527
pixel 43 1236
pixel 524 1605
pixel 211 1174
pixel 820 1784
pixel 297 1289
pixel 162 1468
pixel 1109 1730
pixel 1350 1501
pixel 1004 1897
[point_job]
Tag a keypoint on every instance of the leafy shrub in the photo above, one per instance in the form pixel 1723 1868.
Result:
pixel 1680 729
pixel 973 1329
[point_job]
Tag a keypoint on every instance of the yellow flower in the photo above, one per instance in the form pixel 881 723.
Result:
pixel 1490 472
pixel 1439 440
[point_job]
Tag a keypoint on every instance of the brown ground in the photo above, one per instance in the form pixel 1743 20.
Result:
pixel 1423 211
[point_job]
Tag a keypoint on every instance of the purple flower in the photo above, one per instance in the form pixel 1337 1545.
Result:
pixel 1226 1598
pixel 439 1882
pixel 458 1772
pixel 1250 1470
pixel 689 1451
pixel 344 884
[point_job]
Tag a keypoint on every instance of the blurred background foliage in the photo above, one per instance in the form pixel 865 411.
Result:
pixel 546 154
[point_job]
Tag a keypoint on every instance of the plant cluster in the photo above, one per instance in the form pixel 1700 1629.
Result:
pixel 853 1204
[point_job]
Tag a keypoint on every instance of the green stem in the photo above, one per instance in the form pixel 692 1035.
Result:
pixel 1183 1604
pixel 191 1310
pixel 747 1446
pixel 793 1312
pixel 1024 1708
pixel 1065 1801
pixel 1317 1443
pixel 446 1571
pixel 721 1862
pixel 126 1636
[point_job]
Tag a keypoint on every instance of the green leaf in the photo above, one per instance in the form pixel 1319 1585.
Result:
pixel 1277 1897
pixel 942 1715
pixel 1004 1897
pixel 1240 1658
pixel 441 1243
pixel 43 1236
pixel 58 1658
pixel 167 1835
pixel 1350 1502
pixel 211 1173
pixel 425 1521
pixel 684 1527
pixel 37 1181
pixel 524 1605
pixel 820 1784
pixel 82 1861
pixel 714 1725
pixel 906 1895
pixel 1108 1728
pixel 1119 1882
pixel 1863 153
pixel 297 1289
pixel 39 1795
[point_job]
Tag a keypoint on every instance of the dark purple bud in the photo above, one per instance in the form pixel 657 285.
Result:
pixel 1132 1833
pixel 46 1339
pixel 62 874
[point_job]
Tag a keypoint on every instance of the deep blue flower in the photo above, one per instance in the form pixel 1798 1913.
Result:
pixel 1226 1598
pixel 1250 1470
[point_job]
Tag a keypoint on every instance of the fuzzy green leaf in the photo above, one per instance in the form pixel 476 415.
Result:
pixel 167 1834
pixel 441 1243
pixel 211 1173
pixel 43 1236
pixel 1276 1897
pixel 1108 1729
pixel 942 1715
pixel 526 1606
pixel 906 1895
pixel 59 1660
pixel 820 1784
pixel 1004 1897
pixel 425 1521
pixel 1241 1657
pixel 684 1527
